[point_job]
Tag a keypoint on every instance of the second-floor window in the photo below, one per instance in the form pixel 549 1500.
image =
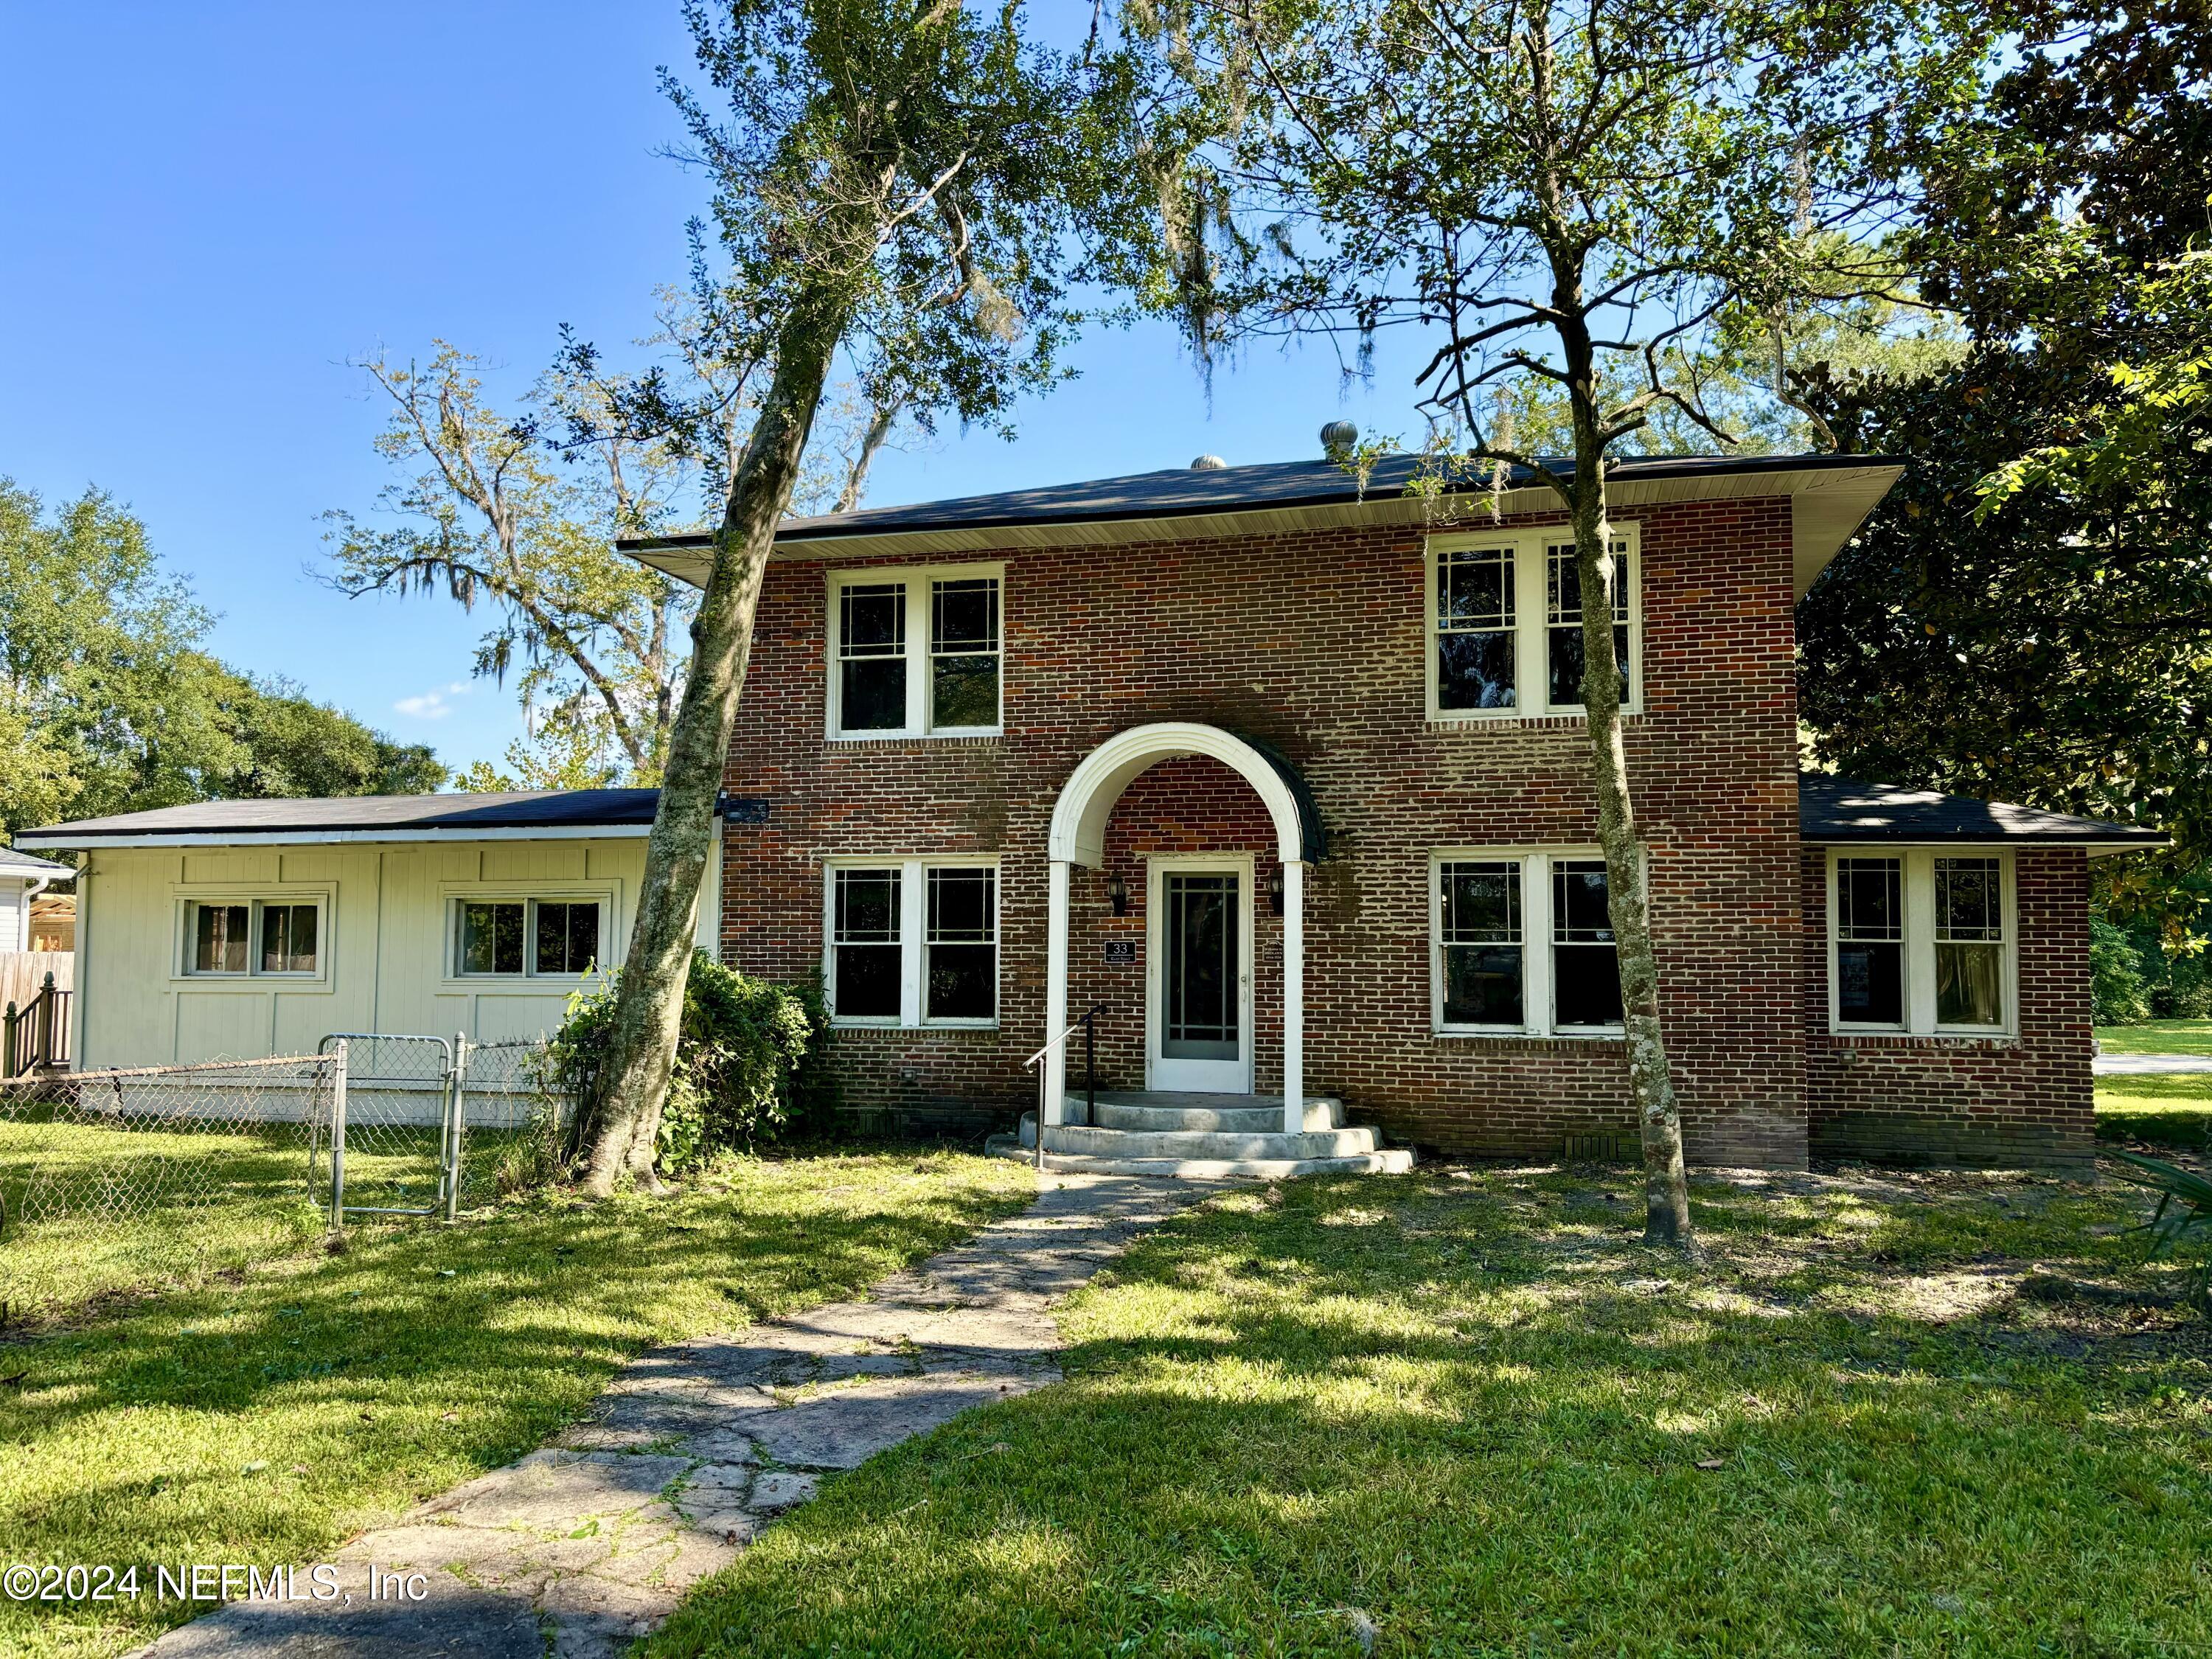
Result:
pixel 1505 624
pixel 916 652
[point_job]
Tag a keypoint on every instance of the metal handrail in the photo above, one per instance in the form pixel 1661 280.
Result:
pixel 1089 1021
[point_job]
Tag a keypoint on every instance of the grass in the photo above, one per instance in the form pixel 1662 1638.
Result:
pixel 2158 1036
pixel 1466 1413
pixel 2174 1110
pixel 255 1398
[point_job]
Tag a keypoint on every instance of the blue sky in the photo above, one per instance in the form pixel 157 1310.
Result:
pixel 205 210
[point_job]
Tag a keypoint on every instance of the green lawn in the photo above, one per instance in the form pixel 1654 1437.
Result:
pixel 2169 1111
pixel 2158 1036
pixel 212 1385
pixel 1466 1413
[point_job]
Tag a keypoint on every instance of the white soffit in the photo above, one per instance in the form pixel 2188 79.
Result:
pixel 1827 506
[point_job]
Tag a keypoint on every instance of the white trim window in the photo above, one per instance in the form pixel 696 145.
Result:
pixel 917 652
pixel 912 941
pixel 496 937
pixel 1922 941
pixel 1505 624
pixel 245 939
pixel 1520 944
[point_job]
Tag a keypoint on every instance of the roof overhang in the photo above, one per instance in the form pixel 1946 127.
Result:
pixel 1828 503
pixel 2096 849
pixel 310 836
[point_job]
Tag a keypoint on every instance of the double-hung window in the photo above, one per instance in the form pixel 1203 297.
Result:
pixel 912 941
pixel 525 937
pixel 250 937
pixel 1921 941
pixel 916 652
pixel 1505 622
pixel 1521 944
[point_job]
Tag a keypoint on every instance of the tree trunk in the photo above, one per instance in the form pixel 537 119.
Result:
pixel 1665 1188
pixel 649 1003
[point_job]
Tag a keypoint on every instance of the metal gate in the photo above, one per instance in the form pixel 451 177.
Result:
pixel 395 1125
pixel 401 1111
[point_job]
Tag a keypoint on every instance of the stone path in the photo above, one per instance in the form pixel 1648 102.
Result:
pixel 582 1546
pixel 2148 1065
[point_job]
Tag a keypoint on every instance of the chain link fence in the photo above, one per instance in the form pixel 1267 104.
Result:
pixel 105 1146
pixel 372 1124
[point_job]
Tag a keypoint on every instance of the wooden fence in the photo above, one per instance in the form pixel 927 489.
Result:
pixel 24 972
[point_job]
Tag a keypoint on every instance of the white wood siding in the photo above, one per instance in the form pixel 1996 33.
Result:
pixel 386 948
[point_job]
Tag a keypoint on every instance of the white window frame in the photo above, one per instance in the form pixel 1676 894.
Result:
pixel 1531 620
pixel 529 895
pixel 914 938
pixel 1537 1003
pixel 918 582
pixel 320 900
pixel 1919 953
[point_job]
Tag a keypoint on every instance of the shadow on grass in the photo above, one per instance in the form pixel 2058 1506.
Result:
pixel 2173 1111
pixel 1475 1417
pixel 265 1416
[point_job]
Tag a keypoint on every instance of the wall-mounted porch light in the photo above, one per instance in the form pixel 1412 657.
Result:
pixel 1275 891
pixel 1117 894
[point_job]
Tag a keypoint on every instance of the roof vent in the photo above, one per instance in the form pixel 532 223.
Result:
pixel 1209 463
pixel 1337 439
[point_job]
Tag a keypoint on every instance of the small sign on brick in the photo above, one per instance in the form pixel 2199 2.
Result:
pixel 1120 953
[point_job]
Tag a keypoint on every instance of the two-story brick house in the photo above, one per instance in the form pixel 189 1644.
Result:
pixel 1287 778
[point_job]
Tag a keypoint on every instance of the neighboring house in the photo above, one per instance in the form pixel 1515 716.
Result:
pixel 23 878
pixel 1287 777
pixel 53 922
pixel 233 929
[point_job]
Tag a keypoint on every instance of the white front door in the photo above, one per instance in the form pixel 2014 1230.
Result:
pixel 1197 1023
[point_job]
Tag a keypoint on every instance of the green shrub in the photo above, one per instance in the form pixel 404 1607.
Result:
pixel 2117 995
pixel 752 1062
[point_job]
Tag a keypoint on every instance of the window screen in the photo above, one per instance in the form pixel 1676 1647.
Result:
pixel 1585 967
pixel 287 938
pixel 1564 620
pixel 963 944
pixel 1482 944
pixel 1475 628
pixel 872 658
pixel 964 653
pixel 1969 942
pixel 1870 941
pixel 866 944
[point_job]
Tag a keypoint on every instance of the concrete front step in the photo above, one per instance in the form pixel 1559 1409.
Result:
pixel 1390 1161
pixel 1210 1155
pixel 1204 1143
pixel 1218 1113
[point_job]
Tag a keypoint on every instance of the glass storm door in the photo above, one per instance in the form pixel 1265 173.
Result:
pixel 1201 1022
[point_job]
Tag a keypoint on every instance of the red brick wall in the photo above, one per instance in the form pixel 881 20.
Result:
pixel 1973 1100
pixel 1313 642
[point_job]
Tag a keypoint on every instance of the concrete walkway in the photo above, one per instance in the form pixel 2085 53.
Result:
pixel 582 1547
pixel 2148 1065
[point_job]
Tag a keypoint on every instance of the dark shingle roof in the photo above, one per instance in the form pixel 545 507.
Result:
pixel 1831 809
pixel 459 815
pixel 13 863
pixel 1279 484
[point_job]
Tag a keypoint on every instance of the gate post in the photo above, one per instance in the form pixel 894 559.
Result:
pixel 338 1135
pixel 456 1109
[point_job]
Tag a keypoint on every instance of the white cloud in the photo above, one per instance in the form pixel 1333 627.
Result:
pixel 435 704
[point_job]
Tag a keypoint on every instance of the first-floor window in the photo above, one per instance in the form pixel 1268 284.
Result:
pixel 1920 941
pixel 864 980
pixel 1482 943
pixel 525 937
pixel 913 942
pixel 1523 943
pixel 1870 941
pixel 1585 967
pixel 253 936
